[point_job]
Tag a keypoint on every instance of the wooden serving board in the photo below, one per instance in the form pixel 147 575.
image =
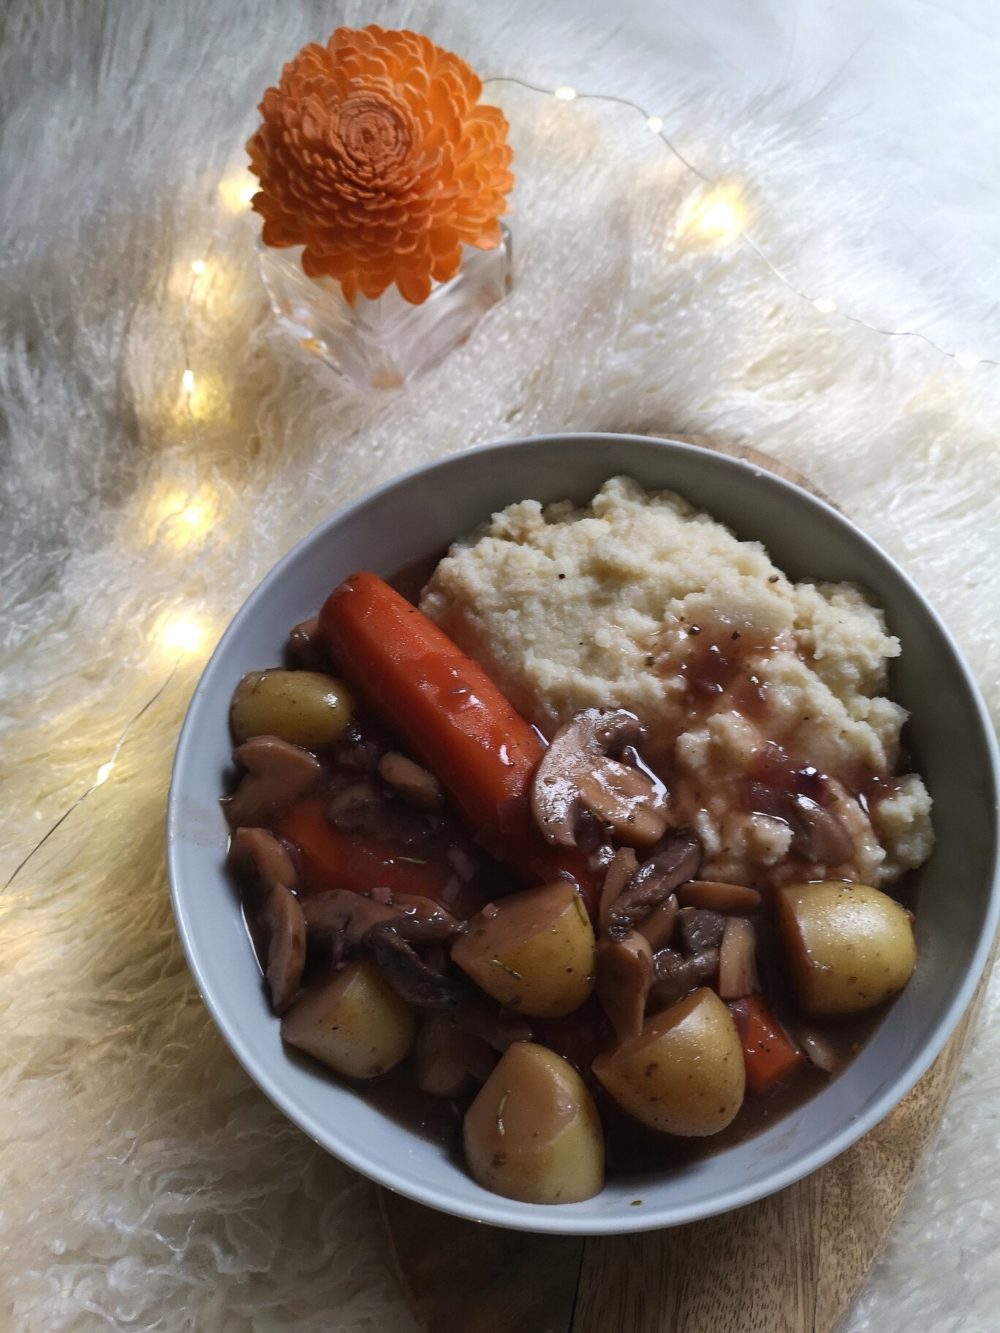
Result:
pixel 792 1263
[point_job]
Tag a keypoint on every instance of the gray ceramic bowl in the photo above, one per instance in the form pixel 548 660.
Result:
pixel 420 513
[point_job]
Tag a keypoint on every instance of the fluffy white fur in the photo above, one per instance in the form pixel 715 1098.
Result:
pixel 145 1183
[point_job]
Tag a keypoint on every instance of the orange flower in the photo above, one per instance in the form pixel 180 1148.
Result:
pixel 375 155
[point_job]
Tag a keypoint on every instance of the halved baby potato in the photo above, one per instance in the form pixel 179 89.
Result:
pixel 533 1132
pixel 684 1073
pixel 303 707
pixel 532 951
pixel 355 1022
pixel 850 946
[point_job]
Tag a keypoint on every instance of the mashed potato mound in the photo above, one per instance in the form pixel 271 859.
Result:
pixel 640 601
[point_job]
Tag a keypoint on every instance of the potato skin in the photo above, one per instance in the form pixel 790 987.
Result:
pixel 303 707
pixel 533 1132
pixel 684 1073
pixel 850 946
pixel 534 951
pixel 355 1023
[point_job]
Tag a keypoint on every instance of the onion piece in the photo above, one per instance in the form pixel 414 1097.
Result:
pixel 818 1049
pixel 737 959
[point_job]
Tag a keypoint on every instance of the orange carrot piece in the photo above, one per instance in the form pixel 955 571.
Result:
pixel 334 859
pixel 768 1053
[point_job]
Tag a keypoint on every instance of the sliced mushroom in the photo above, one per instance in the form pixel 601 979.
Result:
pixel 277 774
pixel 405 970
pixel 619 875
pixel 730 899
pixel 415 785
pixel 446 1059
pixel 658 927
pixel 738 959
pixel 655 880
pixel 817 834
pixel 624 976
pixel 423 921
pixel 305 645
pixel 272 911
pixel 700 930
pixel 339 912
pixel 577 773
pixel 497 1026
pixel 675 976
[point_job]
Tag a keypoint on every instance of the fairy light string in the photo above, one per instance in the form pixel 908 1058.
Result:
pixel 824 304
pixel 718 213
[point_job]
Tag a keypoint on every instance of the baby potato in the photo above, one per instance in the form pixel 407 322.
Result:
pixel 533 951
pixel 684 1072
pixel 533 1132
pixel 355 1023
pixel 303 707
pixel 850 946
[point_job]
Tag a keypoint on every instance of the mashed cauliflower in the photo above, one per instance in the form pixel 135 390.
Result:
pixel 640 601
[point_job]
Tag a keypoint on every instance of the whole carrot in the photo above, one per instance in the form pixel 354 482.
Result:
pixel 452 717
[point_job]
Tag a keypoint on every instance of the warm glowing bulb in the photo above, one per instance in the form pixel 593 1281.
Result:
pixel 565 93
pixel 654 123
pixel 103 773
pixel 825 305
pixel 198 267
pixel 183 633
pixel 179 518
pixel 967 360
pixel 237 191
pixel 195 517
pixel 187 381
pixel 717 215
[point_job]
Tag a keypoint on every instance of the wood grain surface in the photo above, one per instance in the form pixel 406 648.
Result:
pixel 792 1263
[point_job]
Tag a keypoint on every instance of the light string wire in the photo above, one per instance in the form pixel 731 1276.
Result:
pixel 824 304
pixel 198 270
pixel 239 197
pixel 103 773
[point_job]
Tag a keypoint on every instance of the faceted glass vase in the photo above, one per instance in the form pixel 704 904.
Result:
pixel 383 343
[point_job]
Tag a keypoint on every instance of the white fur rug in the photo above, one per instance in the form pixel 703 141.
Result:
pixel 145 1183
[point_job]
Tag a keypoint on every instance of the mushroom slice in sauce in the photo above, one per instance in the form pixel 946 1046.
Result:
pixel 624 976
pixel 577 773
pixel 423 921
pixel 738 959
pixel 414 784
pixel 305 645
pixel 273 914
pixel 817 834
pixel 447 1059
pixel 700 930
pixel 675 976
pixel 497 1026
pixel 658 926
pixel 716 896
pixel 405 970
pixel 617 878
pixel 341 912
pixel 277 774
pixel 655 880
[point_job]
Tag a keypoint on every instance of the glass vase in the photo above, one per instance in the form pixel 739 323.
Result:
pixel 383 343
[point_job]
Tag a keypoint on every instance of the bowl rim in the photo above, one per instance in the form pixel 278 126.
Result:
pixel 512 1214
